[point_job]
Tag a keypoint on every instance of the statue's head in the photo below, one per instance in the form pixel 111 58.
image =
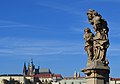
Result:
pixel 90 11
pixel 90 15
pixel 87 30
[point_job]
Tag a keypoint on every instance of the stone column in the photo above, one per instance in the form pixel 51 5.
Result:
pixel 97 73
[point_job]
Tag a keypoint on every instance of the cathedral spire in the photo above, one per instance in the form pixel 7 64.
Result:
pixel 24 69
pixel 78 75
pixel 31 67
pixel 31 62
pixel 75 74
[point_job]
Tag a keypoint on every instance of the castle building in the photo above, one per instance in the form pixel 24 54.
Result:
pixel 31 74
pixel 41 74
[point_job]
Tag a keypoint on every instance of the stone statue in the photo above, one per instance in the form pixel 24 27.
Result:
pixel 96 46
pixel 97 70
pixel 88 36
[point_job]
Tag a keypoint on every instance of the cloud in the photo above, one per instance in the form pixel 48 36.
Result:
pixel 115 35
pixel 27 47
pixel 113 50
pixel 8 22
pixel 61 7
pixel 105 0
pixel 110 0
pixel 6 26
pixel 114 47
pixel 79 30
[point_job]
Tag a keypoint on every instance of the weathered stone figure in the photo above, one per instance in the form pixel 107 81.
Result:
pixel 100 40
pixel 88 36
pixel 97 70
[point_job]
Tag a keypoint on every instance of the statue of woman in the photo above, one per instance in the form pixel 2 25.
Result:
pixel 88 36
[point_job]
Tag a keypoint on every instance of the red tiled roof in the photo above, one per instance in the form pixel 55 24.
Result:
pixel 67 78
pixel 57 75
pixel 43 75
pixel 115 79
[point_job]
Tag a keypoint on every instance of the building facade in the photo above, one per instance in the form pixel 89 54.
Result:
pixel 73 80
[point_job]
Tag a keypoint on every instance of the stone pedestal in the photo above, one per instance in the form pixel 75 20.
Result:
pixel 97 73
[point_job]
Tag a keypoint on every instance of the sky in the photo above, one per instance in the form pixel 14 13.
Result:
pixel 51 33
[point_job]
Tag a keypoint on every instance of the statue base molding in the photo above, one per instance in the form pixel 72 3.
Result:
pixel 97 73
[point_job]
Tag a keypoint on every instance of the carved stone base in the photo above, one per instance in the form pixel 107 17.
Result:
pixel 97 73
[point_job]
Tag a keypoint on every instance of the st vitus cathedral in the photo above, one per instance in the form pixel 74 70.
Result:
pixel 31 70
